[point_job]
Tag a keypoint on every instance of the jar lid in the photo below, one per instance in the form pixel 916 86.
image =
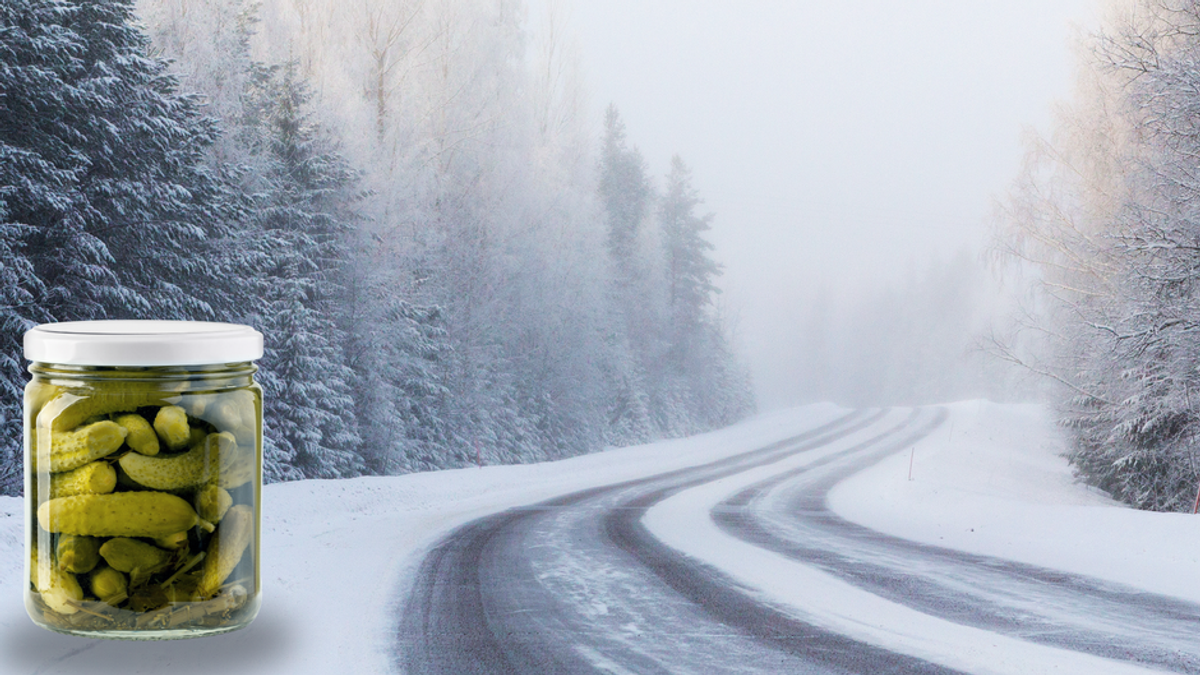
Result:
pixel 142 343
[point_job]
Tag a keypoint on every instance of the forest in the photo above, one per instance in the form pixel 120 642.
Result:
pixel 1105 216
pixel 404 197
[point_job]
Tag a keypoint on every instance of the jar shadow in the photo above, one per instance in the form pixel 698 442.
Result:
pixel 27 648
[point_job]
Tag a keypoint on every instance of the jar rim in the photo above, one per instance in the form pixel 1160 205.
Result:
pixel 142 343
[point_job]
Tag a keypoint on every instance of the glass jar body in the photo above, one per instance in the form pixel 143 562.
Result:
pixel 142 489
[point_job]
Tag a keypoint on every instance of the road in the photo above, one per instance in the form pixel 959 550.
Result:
pixel 580 584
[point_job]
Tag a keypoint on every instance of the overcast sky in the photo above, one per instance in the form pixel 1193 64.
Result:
pixel 834 141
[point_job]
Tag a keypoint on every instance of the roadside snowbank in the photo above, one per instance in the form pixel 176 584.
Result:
pixel 993 480
pixel 826 600
pixel 337 556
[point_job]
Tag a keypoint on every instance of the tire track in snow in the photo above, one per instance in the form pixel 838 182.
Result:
pixel 478 606
pixel 1023 601
pixel 731 604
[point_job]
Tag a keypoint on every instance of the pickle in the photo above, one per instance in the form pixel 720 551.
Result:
pixel 172 426
pixel 141 436
pixel 109 585
pixel 78 555
pixel 72 449
pixel 202 464
pixel 127 555
pixel 92 478
pixel 225 550
pixel 119 514
pixel 234 411
pixel 212 501
pixel 59 589
pixel 72 407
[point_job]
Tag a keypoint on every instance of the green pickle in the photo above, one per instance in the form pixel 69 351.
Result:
pixel 168 549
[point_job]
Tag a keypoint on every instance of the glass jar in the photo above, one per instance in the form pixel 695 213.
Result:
pixel 143 469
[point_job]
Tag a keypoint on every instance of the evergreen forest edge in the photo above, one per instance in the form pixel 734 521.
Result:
pixel 499 297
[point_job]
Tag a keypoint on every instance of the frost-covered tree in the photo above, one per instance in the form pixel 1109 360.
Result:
pixel 635 319
pixel 130 210
pixel 398 357
pixel 690 270
pixel 702 380
pixel 625 192
pixel 18 312
pixel 108 209
pixel 1107 211
pixel 302 215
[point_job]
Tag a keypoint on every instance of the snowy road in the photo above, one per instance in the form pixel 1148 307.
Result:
pixel 738 566
pixel 729 552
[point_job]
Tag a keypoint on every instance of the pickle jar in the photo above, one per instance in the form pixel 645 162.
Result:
pixel 143 470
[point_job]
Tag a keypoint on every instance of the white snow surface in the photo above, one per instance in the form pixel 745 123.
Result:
pixel 993 480
pixel 337 554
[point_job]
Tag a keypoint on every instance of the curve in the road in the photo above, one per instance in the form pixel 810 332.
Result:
pixel 1025 601
pixel 721 597
pixel 477 605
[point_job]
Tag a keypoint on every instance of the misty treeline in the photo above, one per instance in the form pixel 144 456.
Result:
pixel 404 196
pixel 1107 211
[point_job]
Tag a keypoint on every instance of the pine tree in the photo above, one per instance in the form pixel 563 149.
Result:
pixel 397 352
pixel 701 386
pixel 690 269
pixel 108 211
pixel 25 177
pixel 624 191
pixel 303 214
pixel 131 229
pixel 18 286
pixel 625 194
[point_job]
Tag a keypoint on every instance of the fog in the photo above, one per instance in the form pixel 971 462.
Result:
pixel 467 228
pixel 465 224
pixel 846 149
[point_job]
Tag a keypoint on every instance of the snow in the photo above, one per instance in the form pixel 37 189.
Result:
pixel 824 599
pixel 992 480
pixel 336 554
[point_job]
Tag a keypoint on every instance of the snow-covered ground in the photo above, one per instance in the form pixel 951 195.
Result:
pixel 992 480
pixel 336 553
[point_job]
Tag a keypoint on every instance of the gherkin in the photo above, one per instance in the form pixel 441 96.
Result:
pixel 72 449
pixel 119 514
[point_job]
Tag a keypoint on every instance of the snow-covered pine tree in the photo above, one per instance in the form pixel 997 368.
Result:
pixel 701 376
pixel 690 269
pixel 53 116
pixel 31 183
pixel 18 286
pixel 396 350
pixel 110 210
pixel 625 192
pixel 689 273
pixel 146 210
pixel 303 213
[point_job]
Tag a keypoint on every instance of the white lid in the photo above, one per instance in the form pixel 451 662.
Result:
pixel 142 343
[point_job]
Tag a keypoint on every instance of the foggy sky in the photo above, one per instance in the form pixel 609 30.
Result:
pixel 837 143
